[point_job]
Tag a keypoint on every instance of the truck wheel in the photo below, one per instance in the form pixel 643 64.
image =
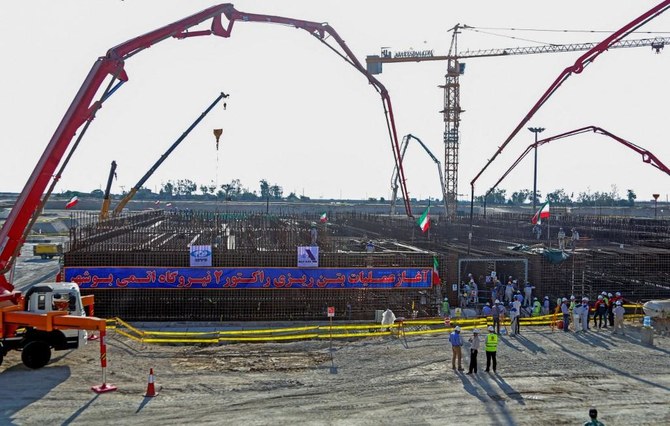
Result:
pixel 36 354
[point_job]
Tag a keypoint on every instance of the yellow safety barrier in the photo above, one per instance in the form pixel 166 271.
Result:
pixel 342 331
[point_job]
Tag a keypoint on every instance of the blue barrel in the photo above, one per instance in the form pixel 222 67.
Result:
pixel 646 322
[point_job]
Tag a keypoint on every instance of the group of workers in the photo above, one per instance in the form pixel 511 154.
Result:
pixel 491 347
pixel 607 310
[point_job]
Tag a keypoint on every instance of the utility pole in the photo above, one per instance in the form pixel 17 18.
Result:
pixel 535 130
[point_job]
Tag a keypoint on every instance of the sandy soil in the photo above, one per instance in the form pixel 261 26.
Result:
pixel 543 377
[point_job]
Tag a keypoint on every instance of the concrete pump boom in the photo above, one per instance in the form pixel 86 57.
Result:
pixel 83 110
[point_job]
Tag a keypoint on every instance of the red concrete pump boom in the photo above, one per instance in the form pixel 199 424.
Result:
pixel 647 156
pixel 576 68
pixel 83 109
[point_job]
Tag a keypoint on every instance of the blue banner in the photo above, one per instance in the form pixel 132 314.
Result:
pixel 258 278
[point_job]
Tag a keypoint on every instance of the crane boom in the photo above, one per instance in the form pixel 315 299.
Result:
pixel 647 156
pixel 656 43
pixel 395 177
pixel 452 107
pixel 83 109
pixel 104 210
pixel 129 196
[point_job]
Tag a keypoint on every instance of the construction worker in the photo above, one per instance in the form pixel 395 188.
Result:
pixel 573 305
pixel 486 310
pixel 537 308
pixel 575 238
pixel 495 314
pixel 388 318
pixel 513 316
pixel 474 349
pixel 601 312
pixel 528 292
pixel 561 239
pixel 610 309
pixel 516 327
pixel 593 414
pixel 546 306
pixel 445 307
pixel 584 314
pixel 491 349
pixel 456 344
pixel 565 310
pixel 618 317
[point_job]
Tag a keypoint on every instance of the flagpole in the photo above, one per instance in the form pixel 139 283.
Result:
pixel 549 230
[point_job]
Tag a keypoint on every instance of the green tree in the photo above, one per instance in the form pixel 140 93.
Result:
pixel 265 189
pixel 559 196
pixel 276 191
pixel 98 193
pixel 167 189
pixel 292 197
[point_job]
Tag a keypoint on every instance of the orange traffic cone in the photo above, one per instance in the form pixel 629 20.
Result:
pixel 151 387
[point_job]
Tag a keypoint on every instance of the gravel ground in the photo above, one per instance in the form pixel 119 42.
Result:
pixel 544 377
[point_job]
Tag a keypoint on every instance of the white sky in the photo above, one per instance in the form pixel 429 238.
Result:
pixel 300 117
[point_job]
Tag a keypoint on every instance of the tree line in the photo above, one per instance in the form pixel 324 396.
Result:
pixel 559 196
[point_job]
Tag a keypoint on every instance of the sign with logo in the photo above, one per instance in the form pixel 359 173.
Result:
pixel 201 255
pixel 331 311
pixel 308 257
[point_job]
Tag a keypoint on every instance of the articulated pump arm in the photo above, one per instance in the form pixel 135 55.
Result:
pixel 647 156
pixel 577 68
pixel 395 177
pixel 112 64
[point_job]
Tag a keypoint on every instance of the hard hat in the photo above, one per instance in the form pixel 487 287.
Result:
pixel 585 299
pixel 534 298
pixel 546 297
pixel 497 302
pixel 618 302
pixel 600 297
pixel 572 297
pixel 475 331
pixel 618 293
pixel 458 328
pixel 565 300
pixel 609 294
pixel 604 293
pixel 491 328
pixel 488 304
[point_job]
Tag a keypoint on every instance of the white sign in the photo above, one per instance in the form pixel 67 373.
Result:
pixel 454 287
pixel 308 257
pixel 201 255
pixel 331 311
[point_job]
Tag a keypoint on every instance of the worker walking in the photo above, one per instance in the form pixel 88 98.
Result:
pixel 474 349
pixel 456 344
pixel 546 305
pixel 496 311
pixel 491 349
pixel 584 314
pixel 618 317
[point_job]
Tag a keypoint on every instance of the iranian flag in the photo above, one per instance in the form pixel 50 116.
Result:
pixel 424 221
pixel 73 202
pixel 323 218
pixel 436 276
pixel 542 213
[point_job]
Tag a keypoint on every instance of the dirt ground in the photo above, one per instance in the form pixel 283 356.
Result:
pixel 544 377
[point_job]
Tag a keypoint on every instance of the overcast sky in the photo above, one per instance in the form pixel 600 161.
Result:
pixel 300 117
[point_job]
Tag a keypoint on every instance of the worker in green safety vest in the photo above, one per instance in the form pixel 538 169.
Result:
pixel 445 307
pixel 537 307
pixel 491 349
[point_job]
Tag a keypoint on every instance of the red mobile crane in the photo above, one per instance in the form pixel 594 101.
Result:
pixel 41 313
pixel 452 107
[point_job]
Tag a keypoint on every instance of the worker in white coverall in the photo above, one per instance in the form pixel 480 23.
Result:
pixel 584 314
pixel 388 318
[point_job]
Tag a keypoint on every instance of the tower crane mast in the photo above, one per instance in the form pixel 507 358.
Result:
pixel 451 88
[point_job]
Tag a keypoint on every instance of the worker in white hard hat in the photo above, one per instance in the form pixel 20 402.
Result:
pixel 474 349
pixel 491 349
pixel 565 310
pixel 584 314
pixel 618 317
pixel 537 307
pixel 456 345
pixel 610 309
pixel 600 314
pixel 546 305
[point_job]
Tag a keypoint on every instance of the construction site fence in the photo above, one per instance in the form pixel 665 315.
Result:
pixel 401 327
